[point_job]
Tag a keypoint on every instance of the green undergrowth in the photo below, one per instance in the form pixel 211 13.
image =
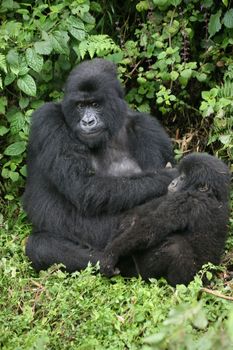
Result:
pixel 56 310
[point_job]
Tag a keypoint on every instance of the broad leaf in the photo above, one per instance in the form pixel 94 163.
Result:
pixel 3 130
pixel 34 60
pixel 228 19
pixel 59 42
pixel 15 148
pixel 77 33
pixel 27 85
pixel 43 47
pixel 214 23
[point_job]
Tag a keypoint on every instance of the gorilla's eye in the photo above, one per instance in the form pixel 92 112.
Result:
pixel 203 188
pixel 80 104
pixel 95 104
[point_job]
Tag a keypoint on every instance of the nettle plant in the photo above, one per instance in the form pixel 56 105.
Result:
pixel 183 49
pixel 40 42
pixel 218 103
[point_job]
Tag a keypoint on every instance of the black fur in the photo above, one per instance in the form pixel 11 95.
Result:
pixel 90 159
pixel 183 230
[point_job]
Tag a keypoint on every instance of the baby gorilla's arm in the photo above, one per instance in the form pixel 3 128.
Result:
pixel 147 227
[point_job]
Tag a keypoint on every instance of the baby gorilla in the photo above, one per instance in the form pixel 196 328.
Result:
pixel 185 228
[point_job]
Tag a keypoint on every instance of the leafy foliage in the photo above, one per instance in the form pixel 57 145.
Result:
pixel 182 49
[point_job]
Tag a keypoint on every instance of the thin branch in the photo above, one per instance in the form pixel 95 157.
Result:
pixel 215 293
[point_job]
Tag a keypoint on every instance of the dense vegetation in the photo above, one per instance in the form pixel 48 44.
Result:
pixel 175 58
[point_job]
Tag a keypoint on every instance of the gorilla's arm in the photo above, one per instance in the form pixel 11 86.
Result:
pixel 66 165
pixel 112 194
pixel 150 224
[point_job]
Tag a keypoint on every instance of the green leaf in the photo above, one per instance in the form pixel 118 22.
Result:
pixel 82 49
pixel 17 123
pixel 175 2
pixel 159 100
pixel 27 85
pixel 225 139
pixel 9 197
pixel 5 173
pixel 15 148
pixel 172 97
pixel 3 104
pixel 156 338
pixel 162 4
pixel 228 19
pixel 200 321
pixel 23 171
pixel 8 4
pixel 214 23
pixel 14 176
pixel 59 42
pixel 34 60
pixel 143 6
pixel 75 22
pixel 77 33
pixel 186 73
pixel 3 130
pixel 207 3
pixel 201 77
pixel 174 75
pixel 3 63
pixel 162 55
pixel 43 47
pixel 13 59
pixel 23 102
pixel 183 81
pixel 9 78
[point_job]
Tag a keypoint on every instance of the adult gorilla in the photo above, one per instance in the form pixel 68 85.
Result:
pixel 89 159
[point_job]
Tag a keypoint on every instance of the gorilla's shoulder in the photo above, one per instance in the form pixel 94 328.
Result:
pixel 47 110
pixel 49 116
pixel 144 121
pixel 46 120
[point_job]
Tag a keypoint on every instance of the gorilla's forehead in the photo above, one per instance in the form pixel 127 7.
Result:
pixel 90 84
pixel 93 85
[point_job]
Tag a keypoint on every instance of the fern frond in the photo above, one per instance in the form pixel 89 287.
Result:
pixel 97 44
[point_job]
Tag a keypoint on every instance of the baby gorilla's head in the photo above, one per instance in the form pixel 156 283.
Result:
pixel 204 173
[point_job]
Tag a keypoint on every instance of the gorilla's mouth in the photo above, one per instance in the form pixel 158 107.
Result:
pixel 91 133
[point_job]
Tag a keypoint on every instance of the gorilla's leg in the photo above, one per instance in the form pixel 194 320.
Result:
pixel 44 250
pixel 173 259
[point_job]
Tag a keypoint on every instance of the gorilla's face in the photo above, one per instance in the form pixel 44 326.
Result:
pixel 177 184
pixel 93 105
pixel 89 126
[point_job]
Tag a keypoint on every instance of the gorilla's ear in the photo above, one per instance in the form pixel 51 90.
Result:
pixel 168 165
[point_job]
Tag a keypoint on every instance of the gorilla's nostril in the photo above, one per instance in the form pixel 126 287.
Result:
pixel 91 122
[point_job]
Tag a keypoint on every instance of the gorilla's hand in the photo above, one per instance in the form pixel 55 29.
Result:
pixel 108 265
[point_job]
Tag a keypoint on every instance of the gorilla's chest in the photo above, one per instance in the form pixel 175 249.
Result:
pixel 115 162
